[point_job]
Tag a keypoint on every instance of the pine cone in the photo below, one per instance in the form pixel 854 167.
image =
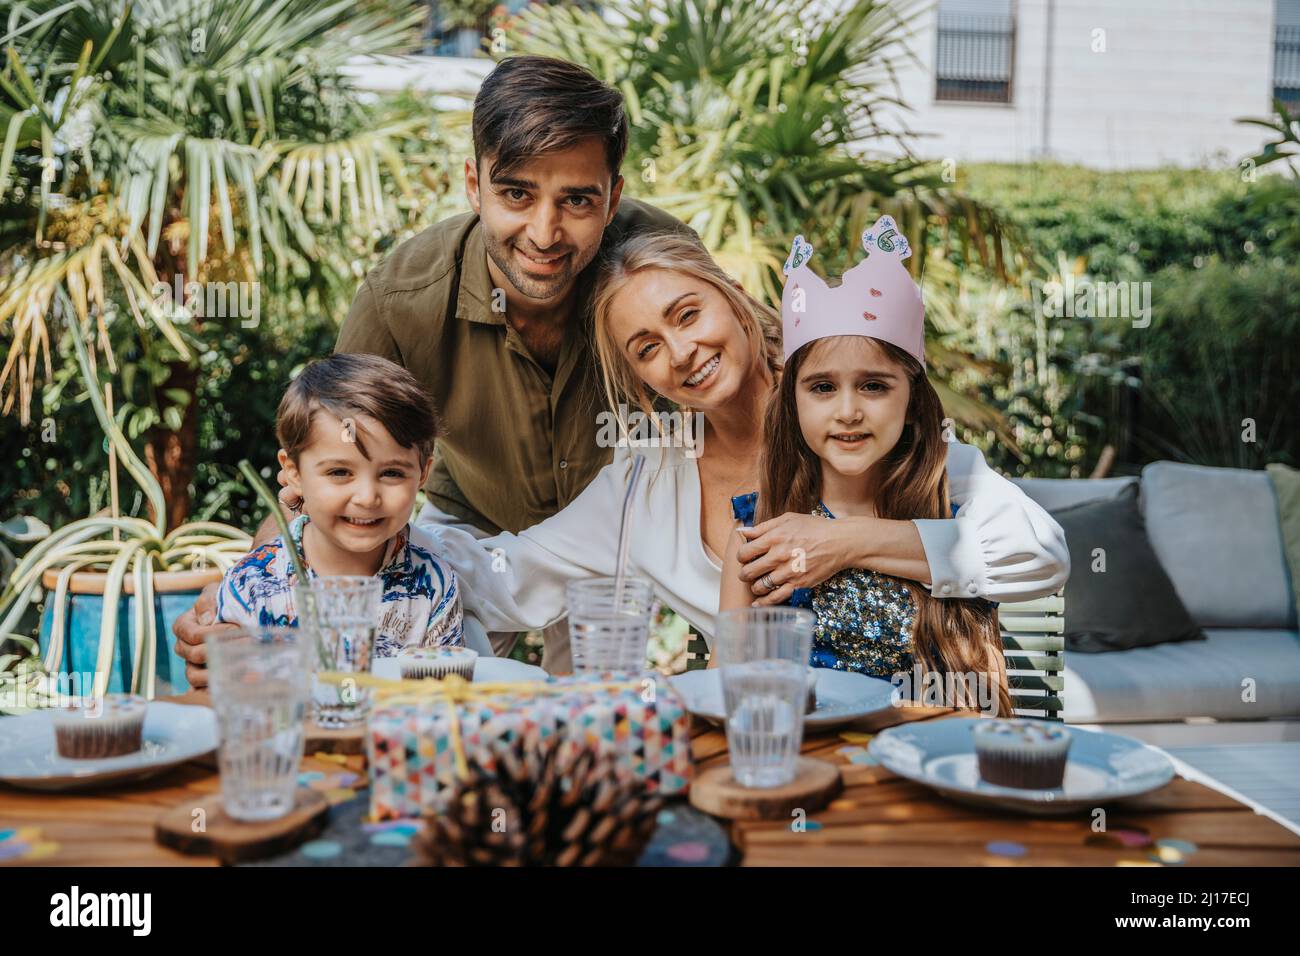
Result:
pixel 544 805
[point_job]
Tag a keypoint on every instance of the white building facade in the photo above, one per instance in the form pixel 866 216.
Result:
pixel 1110 84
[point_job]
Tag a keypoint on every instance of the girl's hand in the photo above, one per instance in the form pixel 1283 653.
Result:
pixel 790 551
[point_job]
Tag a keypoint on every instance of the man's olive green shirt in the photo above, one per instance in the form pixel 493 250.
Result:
pixel 519 443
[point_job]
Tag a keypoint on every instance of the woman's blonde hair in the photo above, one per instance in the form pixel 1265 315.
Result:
pixel 672 252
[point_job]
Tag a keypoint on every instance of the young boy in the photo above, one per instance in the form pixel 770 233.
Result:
pixel 356 439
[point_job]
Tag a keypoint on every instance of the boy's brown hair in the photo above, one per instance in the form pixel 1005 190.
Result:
pixel 350 386
pixel 532 105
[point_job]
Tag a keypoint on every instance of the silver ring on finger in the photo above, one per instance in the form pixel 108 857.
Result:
pixel 767 582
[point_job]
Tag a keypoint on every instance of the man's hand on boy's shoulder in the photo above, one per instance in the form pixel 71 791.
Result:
pixel 192 629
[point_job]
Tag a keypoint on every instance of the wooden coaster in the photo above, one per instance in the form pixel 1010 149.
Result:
pixel 233 841
pixel 350 740
pixel 815 784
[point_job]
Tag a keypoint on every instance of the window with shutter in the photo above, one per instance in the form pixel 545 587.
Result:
pixel 976 51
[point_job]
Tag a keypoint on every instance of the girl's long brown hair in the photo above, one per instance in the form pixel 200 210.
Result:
pixel 958 636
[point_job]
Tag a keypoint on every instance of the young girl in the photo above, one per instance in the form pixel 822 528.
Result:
pixel 855 429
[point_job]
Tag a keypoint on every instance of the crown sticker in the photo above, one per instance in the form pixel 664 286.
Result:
pixel 884 235
pixel 800 252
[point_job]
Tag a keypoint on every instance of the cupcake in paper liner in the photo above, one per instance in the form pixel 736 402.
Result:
pixel 418 663
pixel 1026 754
pixel 96 727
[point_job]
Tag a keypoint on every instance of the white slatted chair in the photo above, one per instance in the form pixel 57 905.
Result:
pixel 1033 635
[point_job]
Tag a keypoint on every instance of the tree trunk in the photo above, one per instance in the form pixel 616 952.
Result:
pixel 171 455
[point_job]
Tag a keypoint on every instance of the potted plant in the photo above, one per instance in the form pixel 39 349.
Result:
pixel 116 583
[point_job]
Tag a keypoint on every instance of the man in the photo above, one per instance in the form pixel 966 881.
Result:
pixel 490 310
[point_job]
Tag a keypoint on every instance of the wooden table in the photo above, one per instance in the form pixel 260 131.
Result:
pixel 882 819
pixel 879 820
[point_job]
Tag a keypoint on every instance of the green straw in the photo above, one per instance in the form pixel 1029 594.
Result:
pixel 300 569
pixel 273 503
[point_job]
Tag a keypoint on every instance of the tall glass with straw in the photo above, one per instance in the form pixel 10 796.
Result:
pixel 343 611
pixel 609 618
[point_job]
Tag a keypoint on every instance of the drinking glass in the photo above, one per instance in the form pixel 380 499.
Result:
pixel 609 629
pixel 763 656
pixel 258 681
pixel 343 613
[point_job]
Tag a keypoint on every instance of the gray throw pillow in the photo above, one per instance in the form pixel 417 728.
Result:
pixel 1132 603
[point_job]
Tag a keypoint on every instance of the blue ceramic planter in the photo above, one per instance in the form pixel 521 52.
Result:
pixel 81 636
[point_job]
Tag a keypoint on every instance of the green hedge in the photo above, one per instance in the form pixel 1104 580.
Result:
pixel 1220 254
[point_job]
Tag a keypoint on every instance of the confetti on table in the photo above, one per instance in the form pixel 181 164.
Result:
pixel 337 795
pixel 853 737
pixel 1135 863
pixel 25 843
pixel 321 849
pixel 1166 854
pixel 690 852
pixel 1132 838
pixel 391 838
pixel 1126 839
pixel 850 751
pixel 864 759
pixel 332 758
pixel 810 825
pixel 1178 846
pixel 1005 848
pixel 403 824
pixel 665 817
pixel 40 851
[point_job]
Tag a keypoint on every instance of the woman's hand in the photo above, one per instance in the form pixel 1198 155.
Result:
pixel 802 551
pixel 790 551
pixel 287 497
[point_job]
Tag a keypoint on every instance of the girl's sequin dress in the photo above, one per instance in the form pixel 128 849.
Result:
pixel 864 619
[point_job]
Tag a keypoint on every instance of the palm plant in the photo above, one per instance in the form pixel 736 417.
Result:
pixel 1286 147
pixel 217 142
pixel 117 546
pixel 754 120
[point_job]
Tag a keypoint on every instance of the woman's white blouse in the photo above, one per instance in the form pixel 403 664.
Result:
pixel 1000 545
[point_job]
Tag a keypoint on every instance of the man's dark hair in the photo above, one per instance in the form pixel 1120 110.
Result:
pixel 531 105
pixel 352 385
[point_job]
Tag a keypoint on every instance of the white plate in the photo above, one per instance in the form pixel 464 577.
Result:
pixel 494 669
pixel 842 696
pixel 1101 767
pixel 173 734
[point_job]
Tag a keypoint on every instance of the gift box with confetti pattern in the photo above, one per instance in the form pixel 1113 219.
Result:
pixel 412 754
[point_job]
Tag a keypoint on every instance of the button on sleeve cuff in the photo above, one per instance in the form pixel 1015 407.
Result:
pixel 955 555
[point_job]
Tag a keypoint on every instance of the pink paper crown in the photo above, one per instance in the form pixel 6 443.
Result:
pixel 876 298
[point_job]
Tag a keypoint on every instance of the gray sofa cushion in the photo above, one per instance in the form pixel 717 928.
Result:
pixel 1196 679
pixel 1216 533
pixel 1118 597
pixel 1056 493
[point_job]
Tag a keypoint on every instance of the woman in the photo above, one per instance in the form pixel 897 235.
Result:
pixel 669 323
